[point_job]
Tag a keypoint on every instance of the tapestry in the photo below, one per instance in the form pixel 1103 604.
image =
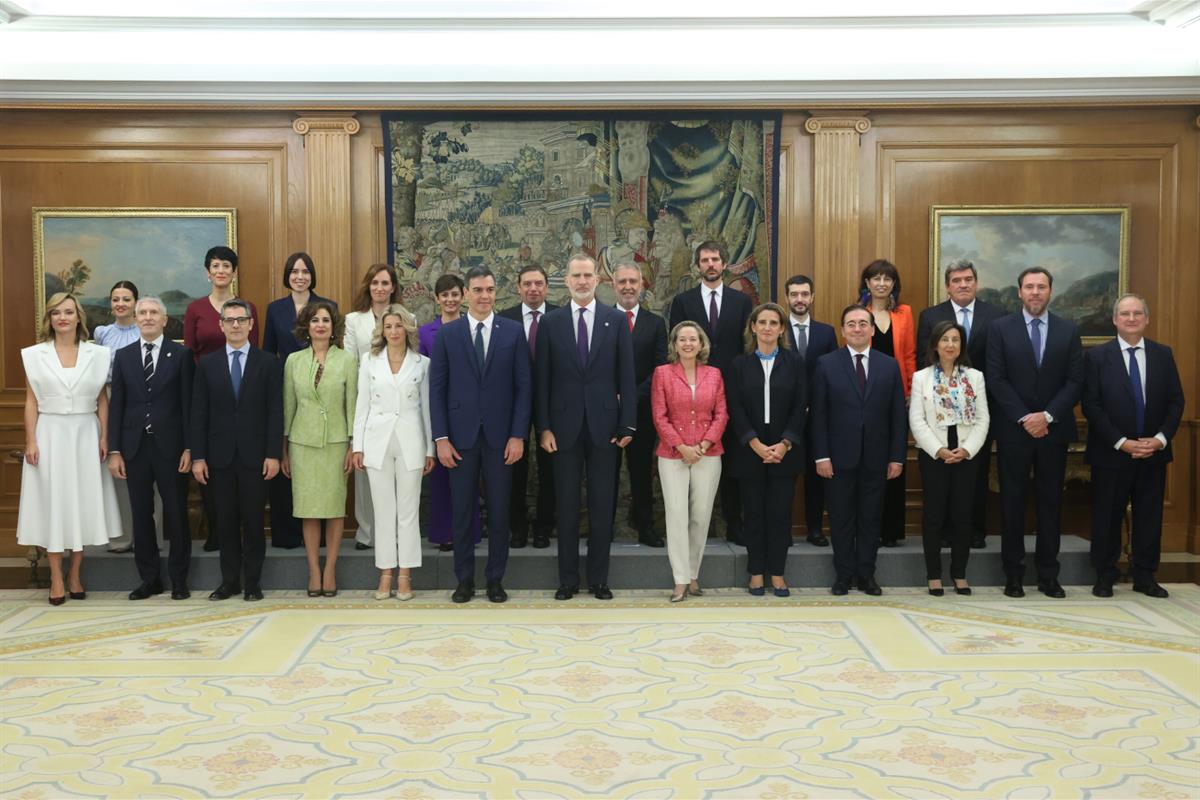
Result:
pixel 505 190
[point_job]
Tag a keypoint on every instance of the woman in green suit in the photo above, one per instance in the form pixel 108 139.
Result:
pixel 320 388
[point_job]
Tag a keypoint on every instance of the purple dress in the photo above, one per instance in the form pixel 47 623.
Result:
pixel 441 526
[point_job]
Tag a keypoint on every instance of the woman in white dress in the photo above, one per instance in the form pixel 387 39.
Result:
pixel 393 443
pixel 380 288
pixel 67 496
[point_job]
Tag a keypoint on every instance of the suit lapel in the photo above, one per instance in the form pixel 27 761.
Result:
pixel 1116 356
pixel 491 351
pixel 848 363
pixel 469 333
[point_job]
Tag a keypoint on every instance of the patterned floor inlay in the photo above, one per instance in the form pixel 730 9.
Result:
pixel 725 696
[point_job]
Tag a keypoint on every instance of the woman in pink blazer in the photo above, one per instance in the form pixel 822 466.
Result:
pixel 688 403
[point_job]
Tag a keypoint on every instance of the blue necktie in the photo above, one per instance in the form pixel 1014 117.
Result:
pixel 581 339
pixel 235 374
pixel 479 354
pixel 1035 338
pixel 966 321
pixel 1139 399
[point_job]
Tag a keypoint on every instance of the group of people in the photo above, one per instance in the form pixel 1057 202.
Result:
pixel 734 402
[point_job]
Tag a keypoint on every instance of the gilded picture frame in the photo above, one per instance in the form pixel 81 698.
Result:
pixel 161 250
pixel 1085 248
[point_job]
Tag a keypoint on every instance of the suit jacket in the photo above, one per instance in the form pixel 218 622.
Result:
pixel 821 340
pixel 923 410
pixel 604 388
pixel 464 401
pixel 985 314
pixel 1108 402
pixel 649 350
pixel 858 429
pixel 324 414
pixel 789 401
pixel 1020 387
pixel 360 329
pixel 164 402
pixel 279 332
pixel 728 341
pixel 680 418
pixel 247 429
pixel 387 404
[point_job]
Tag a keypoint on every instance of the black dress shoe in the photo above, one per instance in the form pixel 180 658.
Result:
pixel 223 592
pixel 57 601
pixel 1103 589
pixel 840 588
pixel 464 592
pixel 541 541
pixel 565 592
pixel 651 539
pixel 1051 588
pixel 890 543
pixel 361 546
pixel 1013 588
pixel 979 542
pixel 817 540
pixel 180 592
pixel 495 592
pixel 77 595
pixel 146 590
pixel 211 545
pixel 869 586
pixel 518 541
pixel 938 592
pixel 602 592
pixel 963 590
pixel 1151 589
pixel 253 594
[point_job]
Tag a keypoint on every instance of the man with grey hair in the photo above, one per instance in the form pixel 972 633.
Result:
pixel 1133 401
pixel 974 315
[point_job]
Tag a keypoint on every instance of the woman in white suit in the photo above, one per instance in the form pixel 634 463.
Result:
pixel 392 442
pixel 948 417
pixel 380 288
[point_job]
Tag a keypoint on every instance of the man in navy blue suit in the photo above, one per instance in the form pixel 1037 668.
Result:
pixel 480 394
pixel 811 339
pixel 147 441
pixel 1133 401
pixel 1035 375
pixel 586 409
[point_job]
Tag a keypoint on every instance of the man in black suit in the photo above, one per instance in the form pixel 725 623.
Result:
pixel 532 284
pixel 147 441
pixel 649 332
pixel 811 339
pixel 237 439
pixel 1035 375
pixel 860 437
pixel 724 313
pixel 1133 401
pixel 975 316
pixel 586 410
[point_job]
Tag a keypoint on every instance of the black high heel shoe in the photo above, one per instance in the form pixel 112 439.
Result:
pixel 938 592
pixel 963 590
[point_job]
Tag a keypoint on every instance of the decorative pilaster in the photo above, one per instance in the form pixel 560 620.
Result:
pixel 835 201
pixel 327 202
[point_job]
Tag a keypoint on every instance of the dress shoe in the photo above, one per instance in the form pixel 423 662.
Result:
pixel 817 540
pixel 223 592
pixel 840 588
pixel 651 539
pixel 1051 588
pixel 565 592
pixel 404 594
pixel 361 546
pixel 445 547
pixel 495 592
pixel 329 592
pixel 124 548
pixel 57 601
pixel 695 591
pixel 146 590
pixel 602 592
pixel 757 591
pixel 869 586
pixel 979 542
pixel 963 590
pixel 77 595
pixel 890 543
pixel 1151 589
pixel 541 541
pixel 253 594
pixel 464 592
pixel 1103 589
pixel 180 591
pixel 781 591
pixel 679 597
pixel 937 592
pixel 211 545
pixel 1013 588
pixel 518 541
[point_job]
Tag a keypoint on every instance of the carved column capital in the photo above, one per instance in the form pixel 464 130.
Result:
pixel 836 198
pixel 839 124
pixel 337 123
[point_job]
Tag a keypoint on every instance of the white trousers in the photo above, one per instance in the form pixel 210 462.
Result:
pixel 395 492
pixel 688 494
pixel 364 512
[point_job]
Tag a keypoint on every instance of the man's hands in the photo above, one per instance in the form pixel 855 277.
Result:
pixel 447 456
pixel 513 450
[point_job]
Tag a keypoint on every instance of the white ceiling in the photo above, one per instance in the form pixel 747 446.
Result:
pixel 359 53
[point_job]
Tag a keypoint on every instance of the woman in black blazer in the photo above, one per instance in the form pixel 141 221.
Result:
pixel 769 425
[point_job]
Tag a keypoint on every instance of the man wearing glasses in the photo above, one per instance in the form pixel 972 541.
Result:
pixel 237 440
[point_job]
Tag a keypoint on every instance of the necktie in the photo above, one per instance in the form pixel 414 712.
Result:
pixel 965 315
pixel 148 362
pixel 479 354
pixel 1035 338
pixel 235 374
pixel 581 339
pixel 629 314
pixel 712 311
pixel 861 372
pixel 1139 399
pixel 802 339
pixel 533 333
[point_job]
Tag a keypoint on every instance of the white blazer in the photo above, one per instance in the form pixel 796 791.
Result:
pixel 922 412
pixel 388 403
pixel 60 391
pixel 360 327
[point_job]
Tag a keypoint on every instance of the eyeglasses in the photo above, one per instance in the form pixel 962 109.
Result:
pixel 235 321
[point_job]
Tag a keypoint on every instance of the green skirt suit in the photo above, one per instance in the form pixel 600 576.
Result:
pixel 317 419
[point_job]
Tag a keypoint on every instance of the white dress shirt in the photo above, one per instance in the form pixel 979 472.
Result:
pixel 768 364
pixel 527 316
pixel 1141 361
pixel 154 352
pixel 706 294
pixel 487 329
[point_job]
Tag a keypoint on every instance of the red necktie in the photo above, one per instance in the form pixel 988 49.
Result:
pixel 630 315
pixel 533 333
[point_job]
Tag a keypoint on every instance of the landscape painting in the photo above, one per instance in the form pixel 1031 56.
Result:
pixel 1085 248
pixel 161 250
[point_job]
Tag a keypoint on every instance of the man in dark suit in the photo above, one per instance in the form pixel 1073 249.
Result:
pixel 649 332
pixel 860 437
pixel 975 316
pixel 586 410
pixel 237 440
pixel 147 445
pixel 811 339
pixel 1035 375
pixel 1133 401
pixel 724 313
pixel 532 284
pixel 480 395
